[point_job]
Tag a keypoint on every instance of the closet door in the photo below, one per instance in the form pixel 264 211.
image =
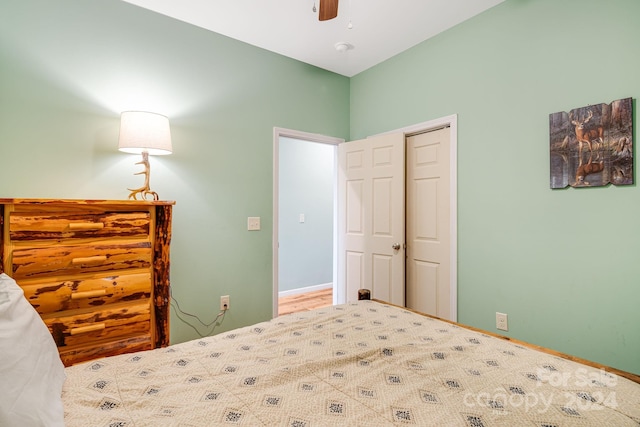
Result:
pixel 371 217
pixel 428 223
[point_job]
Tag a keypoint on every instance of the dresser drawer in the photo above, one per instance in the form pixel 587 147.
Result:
pixel 78 328
pixel 54 225
pixel 96 291
pixel 93 350
pixel 63 260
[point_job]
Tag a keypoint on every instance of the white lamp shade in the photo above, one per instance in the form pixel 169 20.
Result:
pixel 142 131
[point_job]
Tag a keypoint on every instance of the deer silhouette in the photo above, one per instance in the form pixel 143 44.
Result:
pixel 587 135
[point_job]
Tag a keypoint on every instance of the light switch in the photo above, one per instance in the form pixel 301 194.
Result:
pixel 253 223
pixel 301 217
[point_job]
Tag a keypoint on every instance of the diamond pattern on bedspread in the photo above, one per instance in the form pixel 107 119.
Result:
pixel 364 364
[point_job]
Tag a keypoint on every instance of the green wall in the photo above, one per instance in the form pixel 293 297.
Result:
pixel 564 264
pixel 67 70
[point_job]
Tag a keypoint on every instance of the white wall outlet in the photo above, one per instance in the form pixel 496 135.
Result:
pixel 224 302
pixel 253 223
pixel 301 218
pixel 501 322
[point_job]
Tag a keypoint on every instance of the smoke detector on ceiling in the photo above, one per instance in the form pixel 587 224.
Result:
pixel 343 46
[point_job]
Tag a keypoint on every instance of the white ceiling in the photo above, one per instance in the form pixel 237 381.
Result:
pixel 381 28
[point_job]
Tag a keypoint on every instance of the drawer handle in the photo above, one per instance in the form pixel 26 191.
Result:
pixel 88 294
pixel 89 260
pixel 88 328
pixel 75 226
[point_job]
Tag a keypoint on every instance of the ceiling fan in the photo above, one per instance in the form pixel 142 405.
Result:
pixel 328 9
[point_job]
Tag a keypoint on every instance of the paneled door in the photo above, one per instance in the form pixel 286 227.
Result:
pixel 428 223
pixel 371 217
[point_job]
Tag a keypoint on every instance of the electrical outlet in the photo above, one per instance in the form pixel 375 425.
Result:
pixel 224 302
pixel 253 223
pixel 501 321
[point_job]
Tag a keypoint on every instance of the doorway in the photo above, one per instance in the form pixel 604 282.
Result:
pixel 303 213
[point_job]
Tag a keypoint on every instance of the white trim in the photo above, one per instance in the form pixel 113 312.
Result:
pixel 312 288
pixel 304 136
pixel 452 122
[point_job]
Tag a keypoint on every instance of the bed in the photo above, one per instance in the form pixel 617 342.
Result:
pixel 364 363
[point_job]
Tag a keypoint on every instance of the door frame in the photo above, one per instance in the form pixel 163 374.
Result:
pixel 452 122
pixel 279 132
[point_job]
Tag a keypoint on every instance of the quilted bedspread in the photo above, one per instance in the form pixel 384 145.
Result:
pixel 359 364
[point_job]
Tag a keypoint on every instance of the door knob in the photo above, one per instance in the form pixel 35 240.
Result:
pixel 396 246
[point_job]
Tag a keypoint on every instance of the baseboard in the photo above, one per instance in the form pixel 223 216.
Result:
pixel 297 291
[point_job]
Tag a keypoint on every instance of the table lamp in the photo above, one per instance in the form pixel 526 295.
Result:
pixel 144 133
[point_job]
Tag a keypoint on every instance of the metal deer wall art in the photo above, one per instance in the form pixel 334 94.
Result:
pixel 592 146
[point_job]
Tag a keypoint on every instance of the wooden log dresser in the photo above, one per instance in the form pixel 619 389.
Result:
pixel 97 271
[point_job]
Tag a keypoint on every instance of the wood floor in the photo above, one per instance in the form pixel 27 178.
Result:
pixel 306 301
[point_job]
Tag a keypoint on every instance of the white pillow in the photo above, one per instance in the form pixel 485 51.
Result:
pixel 31 373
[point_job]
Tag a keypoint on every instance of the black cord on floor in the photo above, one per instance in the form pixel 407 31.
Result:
pixel 178 311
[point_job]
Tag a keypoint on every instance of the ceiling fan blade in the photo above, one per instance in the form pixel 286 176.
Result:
pixel 328 9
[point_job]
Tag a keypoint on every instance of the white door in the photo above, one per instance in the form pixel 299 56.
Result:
pixel 428 224
pixel 371 218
